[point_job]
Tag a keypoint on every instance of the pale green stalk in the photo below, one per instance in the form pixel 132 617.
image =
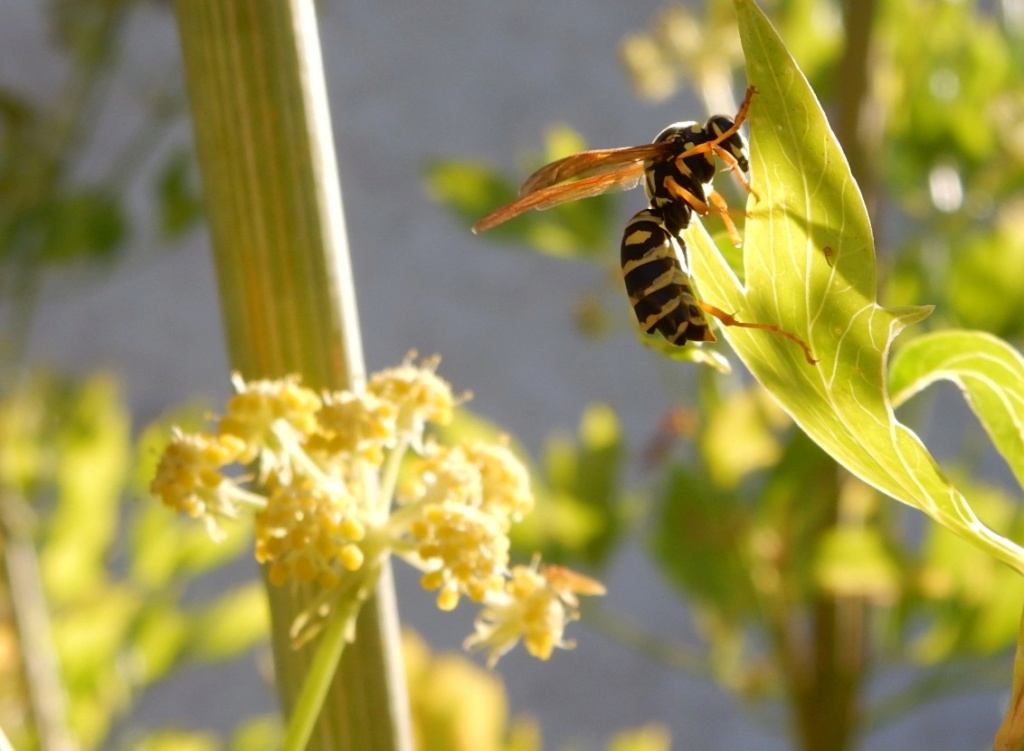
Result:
pixel 263 137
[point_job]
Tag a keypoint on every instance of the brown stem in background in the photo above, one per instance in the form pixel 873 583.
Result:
pixel 820 644
pixel 853 77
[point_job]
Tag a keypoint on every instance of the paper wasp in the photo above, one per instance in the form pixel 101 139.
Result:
pixel 678 169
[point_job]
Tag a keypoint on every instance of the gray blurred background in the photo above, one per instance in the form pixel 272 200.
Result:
pixel 409 81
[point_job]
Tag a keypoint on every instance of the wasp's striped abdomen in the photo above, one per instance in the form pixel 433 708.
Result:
pixel 658 282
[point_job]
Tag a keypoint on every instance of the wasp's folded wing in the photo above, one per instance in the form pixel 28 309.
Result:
pixel 623 178
pixel 593 163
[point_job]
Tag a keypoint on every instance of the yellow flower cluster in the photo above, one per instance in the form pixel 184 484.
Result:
pixel 321 472
pixel 189 477
pixel 467 497
pixel 306 530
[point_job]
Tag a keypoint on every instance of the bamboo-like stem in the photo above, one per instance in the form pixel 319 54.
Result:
pixel 19 570
pixel 263 136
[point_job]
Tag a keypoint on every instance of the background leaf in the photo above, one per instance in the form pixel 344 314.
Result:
pixel 988 371
pixel 809 202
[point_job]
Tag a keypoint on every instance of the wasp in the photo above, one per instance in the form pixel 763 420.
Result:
pixel 677 170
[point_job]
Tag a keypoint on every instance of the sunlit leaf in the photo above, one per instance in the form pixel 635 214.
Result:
pixel 456 705
pixel 468 188
pixel 157 639
pixel 988 371
pixel 854 561
pixel 165 547
pixel 586 470
pixel 649 738
pixel 693 353
pixel 979 291
pixel 737 438
pixel 92 639
pixel 257 734
pixel 90 636
pixel 177 740
pixel 472 190
pixel 233 624
pixel 561 140
pixel 93 445
pixel 973 600
pixel 810 267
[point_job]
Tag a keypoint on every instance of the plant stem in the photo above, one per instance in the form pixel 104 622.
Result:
pixel 852 127
pixel 321 672
pixel 826 671
pixel 19 568
pixel 263 136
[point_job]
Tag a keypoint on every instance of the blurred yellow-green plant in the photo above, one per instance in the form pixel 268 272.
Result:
pixel 96 593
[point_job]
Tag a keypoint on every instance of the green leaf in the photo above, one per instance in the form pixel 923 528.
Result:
pixel 988 371
pixel 977 288
pixel 94 451
pixel 468 188
pixel 585 476
pixel 88 223
pixel 700 542
pixel 157 639
pixel 809 266
pixel 855 562
pixel 699 355
pixel 578 513
pixel 179 201
pixel 573 230
pixel 232 624
pixel 177 740
pixel 261 733
pixel 970 603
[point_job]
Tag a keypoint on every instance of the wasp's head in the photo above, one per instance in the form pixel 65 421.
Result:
pixel 734 144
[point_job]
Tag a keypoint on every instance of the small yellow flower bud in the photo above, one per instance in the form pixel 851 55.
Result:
pixel 360 425
pixel 269 416
pixel 419 395
pixel 188 477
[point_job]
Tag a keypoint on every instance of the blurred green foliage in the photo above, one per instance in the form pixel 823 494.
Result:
pixel 59 205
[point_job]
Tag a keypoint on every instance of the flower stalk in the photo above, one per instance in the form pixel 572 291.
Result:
pixel 263 137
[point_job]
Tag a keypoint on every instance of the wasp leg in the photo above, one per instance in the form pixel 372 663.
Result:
pixel 718 206
pixel 733 165
pixel 680 193
pixel 728 319
pixel 722 209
